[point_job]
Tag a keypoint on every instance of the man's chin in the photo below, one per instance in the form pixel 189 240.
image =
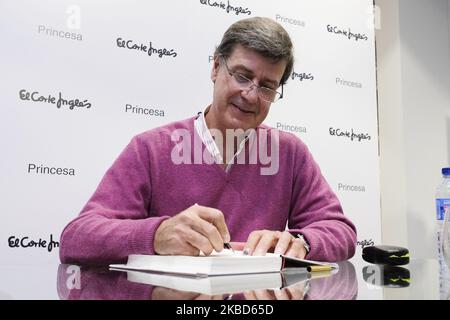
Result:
pixel 240 121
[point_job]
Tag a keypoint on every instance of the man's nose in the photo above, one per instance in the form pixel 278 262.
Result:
pixel 251 93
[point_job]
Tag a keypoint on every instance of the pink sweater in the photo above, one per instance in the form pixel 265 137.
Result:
pixel 144 187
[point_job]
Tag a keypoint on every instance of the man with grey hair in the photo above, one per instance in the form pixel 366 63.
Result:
pixel 157 199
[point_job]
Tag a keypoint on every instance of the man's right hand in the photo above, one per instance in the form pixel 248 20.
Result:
pixel 195 229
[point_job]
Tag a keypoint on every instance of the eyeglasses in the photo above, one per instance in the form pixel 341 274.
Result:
pixel 243 82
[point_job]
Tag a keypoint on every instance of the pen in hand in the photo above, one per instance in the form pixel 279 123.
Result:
pixel 227 245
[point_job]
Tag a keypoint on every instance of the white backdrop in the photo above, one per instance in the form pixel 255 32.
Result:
pixel 70 48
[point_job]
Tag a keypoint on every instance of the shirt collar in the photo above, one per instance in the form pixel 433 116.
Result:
pixel 205 135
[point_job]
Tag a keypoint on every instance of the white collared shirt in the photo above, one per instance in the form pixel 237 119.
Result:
pixel 205 135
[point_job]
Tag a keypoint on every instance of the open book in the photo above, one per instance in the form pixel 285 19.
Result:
pixel 223 263
pixel 224 284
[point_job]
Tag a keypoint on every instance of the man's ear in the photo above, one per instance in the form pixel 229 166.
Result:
pixel 215 69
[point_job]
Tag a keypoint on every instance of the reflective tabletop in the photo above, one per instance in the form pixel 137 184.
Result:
pixel 355 279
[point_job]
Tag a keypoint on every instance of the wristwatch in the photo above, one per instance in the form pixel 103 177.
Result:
pixel 304 242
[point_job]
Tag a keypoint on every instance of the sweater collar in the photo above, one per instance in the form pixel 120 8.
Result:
pixel 205 135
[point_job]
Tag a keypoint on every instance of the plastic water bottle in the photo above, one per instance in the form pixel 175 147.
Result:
pixel 443 237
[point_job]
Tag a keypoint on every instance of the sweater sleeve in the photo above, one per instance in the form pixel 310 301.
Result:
pixel 115 222
pixel 317 213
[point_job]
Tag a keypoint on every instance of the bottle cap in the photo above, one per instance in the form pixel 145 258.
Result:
pixel 446 171
pixel 383 254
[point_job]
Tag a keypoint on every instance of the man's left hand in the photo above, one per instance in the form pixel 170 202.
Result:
pixel 262 241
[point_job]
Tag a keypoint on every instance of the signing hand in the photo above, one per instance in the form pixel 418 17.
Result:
pixel 195 229
pixel 262 241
